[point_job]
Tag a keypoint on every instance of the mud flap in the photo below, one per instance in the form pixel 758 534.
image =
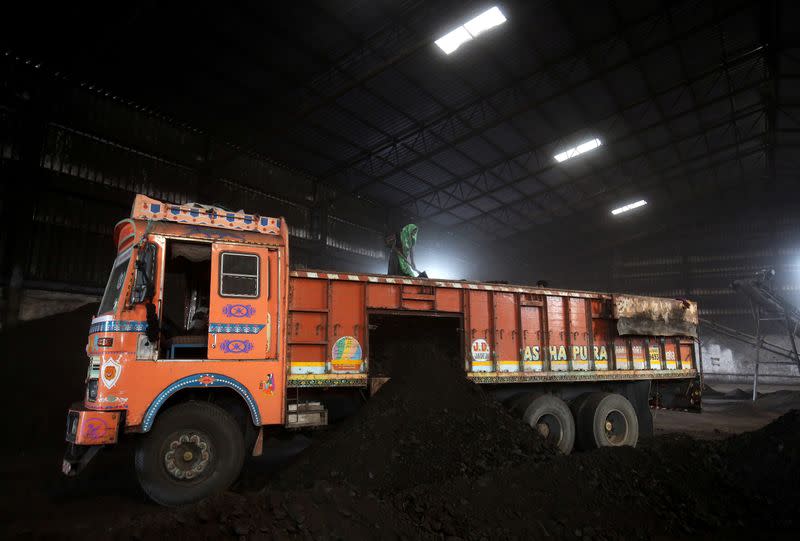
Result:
pixel 638 393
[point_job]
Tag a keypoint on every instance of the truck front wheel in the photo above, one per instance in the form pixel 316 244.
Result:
pixel 194 450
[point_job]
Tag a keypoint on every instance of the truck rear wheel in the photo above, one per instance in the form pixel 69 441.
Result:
pixel 605 420
pixel 550 416
pixel 195 450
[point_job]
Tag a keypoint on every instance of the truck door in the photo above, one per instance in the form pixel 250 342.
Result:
pixel 243 303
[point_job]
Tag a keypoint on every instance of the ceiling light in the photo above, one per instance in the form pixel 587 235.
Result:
pixel 631 206
pixel 471 29
pixel 486 20
pixel 452 41
pixel 580 149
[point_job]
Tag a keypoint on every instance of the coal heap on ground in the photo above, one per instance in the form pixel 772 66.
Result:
pixel 427 424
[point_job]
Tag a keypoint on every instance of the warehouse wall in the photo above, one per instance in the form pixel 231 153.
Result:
pixel 72 157
pixel 696 259
pixel 700 262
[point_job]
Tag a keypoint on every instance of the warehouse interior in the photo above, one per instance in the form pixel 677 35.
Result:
pixel 643 147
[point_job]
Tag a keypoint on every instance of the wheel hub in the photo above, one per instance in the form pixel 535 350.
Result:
pixel 616 428
pixel 187 455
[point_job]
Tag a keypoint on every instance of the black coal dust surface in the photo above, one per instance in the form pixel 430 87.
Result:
pixel 46 365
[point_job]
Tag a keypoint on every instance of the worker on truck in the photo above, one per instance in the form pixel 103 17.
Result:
pixel 401 257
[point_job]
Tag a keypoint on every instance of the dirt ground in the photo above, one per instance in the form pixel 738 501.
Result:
pixel 427 458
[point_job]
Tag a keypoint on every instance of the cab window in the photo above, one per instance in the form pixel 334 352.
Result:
pixel 115 283
pixel 239 275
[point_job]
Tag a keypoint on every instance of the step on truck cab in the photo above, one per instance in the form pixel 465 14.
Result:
pixel 204 337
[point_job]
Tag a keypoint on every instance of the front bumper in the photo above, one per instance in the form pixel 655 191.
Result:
pixel 87 432
pixel 89 427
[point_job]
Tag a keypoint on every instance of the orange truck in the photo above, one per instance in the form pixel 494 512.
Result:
pixel 204 338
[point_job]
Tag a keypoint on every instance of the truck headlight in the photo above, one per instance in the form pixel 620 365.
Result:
pixel 91 390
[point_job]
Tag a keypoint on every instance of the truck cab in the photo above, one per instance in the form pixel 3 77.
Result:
pixel 190 325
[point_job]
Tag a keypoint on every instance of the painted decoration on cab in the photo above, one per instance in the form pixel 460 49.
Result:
pixel 110 372
pixel 237 346
pixel 95 429
pixel 268 385
pixel 239 310
pixel 235 328
pixel 346 355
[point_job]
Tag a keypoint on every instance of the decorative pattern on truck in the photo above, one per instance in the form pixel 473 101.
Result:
pixel 268 384
pixel 110 371
pixel 118 326
pixel 235 328
pixel 481 356
pixel 200 380
pixel 239 310
pixel 533 377
pixel 145 208
pixel 346 355
pixel 236 346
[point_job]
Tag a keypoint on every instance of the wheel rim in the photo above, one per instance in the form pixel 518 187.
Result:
pixel 615 427
pixel 188 456
pixel 550 428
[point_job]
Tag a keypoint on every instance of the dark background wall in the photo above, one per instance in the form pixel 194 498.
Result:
pixel 72 158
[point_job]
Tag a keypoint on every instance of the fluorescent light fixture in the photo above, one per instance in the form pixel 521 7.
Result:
pixel 631 206
pixel 486 20
pixel 453 40
pixel 580 149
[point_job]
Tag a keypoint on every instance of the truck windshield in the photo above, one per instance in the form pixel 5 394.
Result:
pixel 115 283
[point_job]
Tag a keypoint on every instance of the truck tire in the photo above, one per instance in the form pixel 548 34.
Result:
pixel 550 416
pixel 605 420
pixel 195 450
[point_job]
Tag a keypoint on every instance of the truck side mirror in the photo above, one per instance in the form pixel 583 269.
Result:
pixel 144 281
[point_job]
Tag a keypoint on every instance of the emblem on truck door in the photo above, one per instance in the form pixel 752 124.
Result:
pixel 110 371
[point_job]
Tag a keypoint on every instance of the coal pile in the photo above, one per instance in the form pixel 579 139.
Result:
pixel 427 424
pixel 668 487
pixel 671 487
